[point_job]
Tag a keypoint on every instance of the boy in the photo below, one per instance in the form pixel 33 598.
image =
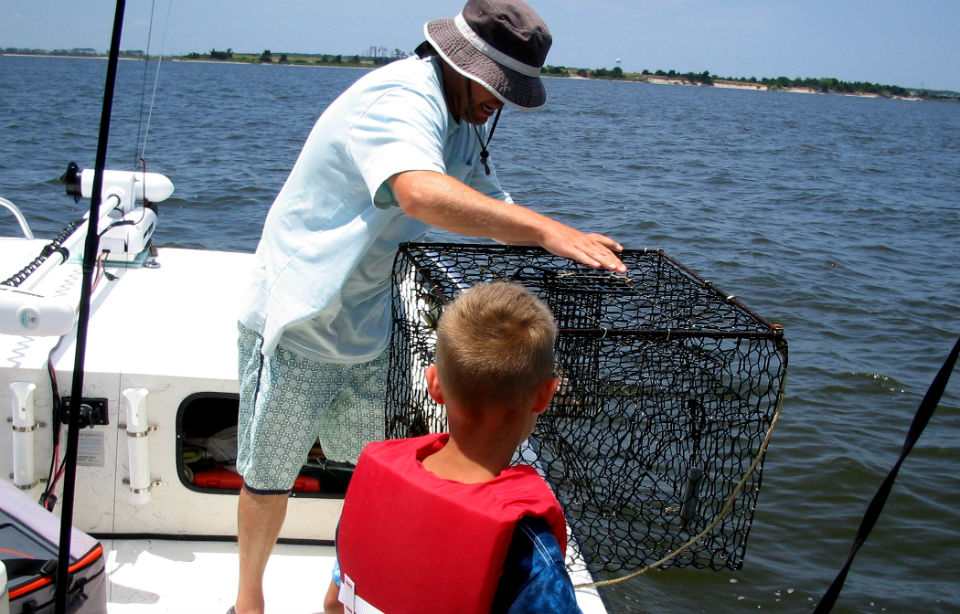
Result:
pixel 443 523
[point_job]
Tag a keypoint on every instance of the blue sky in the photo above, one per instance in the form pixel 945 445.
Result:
pixel 912 43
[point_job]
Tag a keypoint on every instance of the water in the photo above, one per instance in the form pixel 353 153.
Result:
pixel 837 217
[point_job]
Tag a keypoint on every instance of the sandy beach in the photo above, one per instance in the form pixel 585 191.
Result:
pixel 741 85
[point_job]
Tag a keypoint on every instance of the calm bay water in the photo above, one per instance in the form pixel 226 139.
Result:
pixel 837 217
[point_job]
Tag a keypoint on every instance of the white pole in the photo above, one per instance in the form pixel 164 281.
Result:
pixel 24 426
pixel 138 446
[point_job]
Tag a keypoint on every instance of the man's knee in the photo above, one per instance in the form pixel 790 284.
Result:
pixel 268 509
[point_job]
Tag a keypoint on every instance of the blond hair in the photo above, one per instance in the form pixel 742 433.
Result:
pixel 495 345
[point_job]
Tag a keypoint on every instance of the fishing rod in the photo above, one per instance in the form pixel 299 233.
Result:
pixel 83 317
pixel 920 419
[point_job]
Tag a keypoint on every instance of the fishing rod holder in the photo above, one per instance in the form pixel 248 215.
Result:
pixel 138 429
pixel 24 424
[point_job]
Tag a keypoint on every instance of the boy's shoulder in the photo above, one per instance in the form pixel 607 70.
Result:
pixel 534 576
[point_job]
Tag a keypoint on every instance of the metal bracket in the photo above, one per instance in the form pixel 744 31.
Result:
pixel 26 429
pixel 93 411
pixel 123 427
pixel 138 491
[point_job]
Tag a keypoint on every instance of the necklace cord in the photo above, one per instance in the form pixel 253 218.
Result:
pixel 484 154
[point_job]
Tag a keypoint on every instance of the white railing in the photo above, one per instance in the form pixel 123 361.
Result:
pixel 20 219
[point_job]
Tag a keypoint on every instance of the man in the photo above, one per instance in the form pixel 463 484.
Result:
pixel 402 150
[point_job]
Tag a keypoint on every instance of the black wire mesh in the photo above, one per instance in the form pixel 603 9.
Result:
pixel 667 389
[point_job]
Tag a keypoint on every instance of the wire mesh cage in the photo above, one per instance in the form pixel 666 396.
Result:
pixel 668 387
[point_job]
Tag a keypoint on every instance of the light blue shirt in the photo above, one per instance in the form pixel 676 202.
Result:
pixel 321 282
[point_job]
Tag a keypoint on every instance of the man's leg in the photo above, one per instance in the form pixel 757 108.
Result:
pixel 259 518
pixel 281 398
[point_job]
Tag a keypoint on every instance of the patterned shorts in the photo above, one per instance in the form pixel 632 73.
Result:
pixel 287 401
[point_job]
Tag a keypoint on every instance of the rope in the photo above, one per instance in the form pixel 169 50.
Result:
pixel 927 406
pixel 723 512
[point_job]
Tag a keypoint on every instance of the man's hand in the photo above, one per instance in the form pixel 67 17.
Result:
pixel 444 202
pixel 594 250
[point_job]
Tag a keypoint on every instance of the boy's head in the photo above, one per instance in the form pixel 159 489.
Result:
pixel 495 345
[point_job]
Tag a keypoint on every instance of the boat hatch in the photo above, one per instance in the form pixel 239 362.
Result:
pixel 207 451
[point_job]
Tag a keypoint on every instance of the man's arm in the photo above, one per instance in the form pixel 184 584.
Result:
pixel 444 202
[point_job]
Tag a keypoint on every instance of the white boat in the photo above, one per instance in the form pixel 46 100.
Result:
pixel 670 384
pixel 160 374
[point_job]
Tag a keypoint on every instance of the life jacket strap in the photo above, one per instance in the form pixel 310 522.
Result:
pixel 353 603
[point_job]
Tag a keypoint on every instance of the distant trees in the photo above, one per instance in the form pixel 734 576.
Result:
pixel 75 51
pixel 268 57
pixel 703 78
pixel 829 85
pixel 379 56
pixel 597 73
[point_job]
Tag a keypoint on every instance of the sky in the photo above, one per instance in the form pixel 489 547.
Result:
pixel 910 43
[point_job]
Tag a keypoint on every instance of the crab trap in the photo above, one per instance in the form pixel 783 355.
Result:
pixel 668 387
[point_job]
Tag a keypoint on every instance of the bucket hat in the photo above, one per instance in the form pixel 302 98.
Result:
pixel 501 44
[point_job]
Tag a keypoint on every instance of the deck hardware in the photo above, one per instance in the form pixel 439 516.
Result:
pixel 24 425
pixel 138 444
pixel 143 491
pixel 93 411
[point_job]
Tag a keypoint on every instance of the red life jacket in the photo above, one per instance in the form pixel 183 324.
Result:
pixel 410 541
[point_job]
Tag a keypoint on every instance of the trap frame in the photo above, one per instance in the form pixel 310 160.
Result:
pixel 668 387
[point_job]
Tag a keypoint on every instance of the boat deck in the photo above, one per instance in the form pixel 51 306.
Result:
pixel 156 575
pixel 170 330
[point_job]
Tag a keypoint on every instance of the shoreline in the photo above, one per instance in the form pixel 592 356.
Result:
pixel 739 85
pixel 644 78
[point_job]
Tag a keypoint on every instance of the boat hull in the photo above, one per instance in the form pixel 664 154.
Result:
pixel 164 337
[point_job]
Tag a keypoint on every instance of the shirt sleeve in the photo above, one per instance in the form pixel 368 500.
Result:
pixel 534 577
pixel 401 131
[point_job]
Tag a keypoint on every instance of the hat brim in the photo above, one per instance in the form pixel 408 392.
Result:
pixel 509 86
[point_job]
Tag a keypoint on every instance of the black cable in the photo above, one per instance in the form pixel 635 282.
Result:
pixel 47 498
pixel 484 154
pixel 55 246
